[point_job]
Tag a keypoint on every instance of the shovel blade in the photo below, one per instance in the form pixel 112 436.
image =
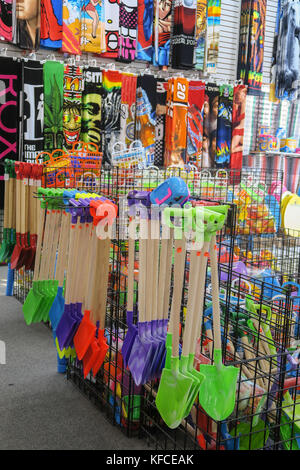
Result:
pixel 172 396
pixel 128 343
pixel 57 309
pixel 31 305
pixel 217 392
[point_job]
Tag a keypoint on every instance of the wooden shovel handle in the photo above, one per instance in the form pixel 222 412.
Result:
pixel 162 278
pixel 192 293
pixel 130 274
pixel 156 238
pixel 142 268
pixel 215 294
pixel 198 308
pixel 62 248
pixel 71 254
pixel 40 229
pixel 179 264
pixel 149 276
pixel 93 241
pixel 53 246
pixel 45 248
pixel 167 285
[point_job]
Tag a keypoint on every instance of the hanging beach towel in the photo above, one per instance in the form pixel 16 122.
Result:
pixel 238 122
pixel 145 30
pixel 243 39
pixel 10 78
pixel 256 44
pixel 6 19
pixel 92 26
pixel 162 31
pixel 146 114
pixel 222 158
pixel 195 122
pixel 111 110
pixel 33 110
pixel 128 97
pixel 91 106
pixel 28 24
pixel 51 23
pixel 71 27
pixel 112 15
pixel 201 22
pixel 161 109
pixel 53 105
pixel 213 34
pixel 72 104
pixel 183 37
pixel 128 30
pixel 210 119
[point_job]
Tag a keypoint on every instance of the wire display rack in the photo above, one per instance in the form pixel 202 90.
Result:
pixel 266 414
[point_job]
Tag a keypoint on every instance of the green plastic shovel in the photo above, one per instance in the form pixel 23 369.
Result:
pixel 218 390
pixel 174 387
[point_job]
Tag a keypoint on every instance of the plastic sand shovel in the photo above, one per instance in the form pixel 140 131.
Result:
pixel 49 285
pixel 132 329
pixel 57 308
pixel 217 393
pixel 69 323
pixel 84 335
pixel 34 298
pixel 174 387
pixel 186 365
pixel 141 356
pixel 150 302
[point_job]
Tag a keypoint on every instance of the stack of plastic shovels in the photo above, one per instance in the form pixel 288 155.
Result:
pixel 87 286
pixel 180 382
pixel 44 289
pixel 144 345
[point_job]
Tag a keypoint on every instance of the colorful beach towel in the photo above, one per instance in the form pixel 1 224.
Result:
pixel 112 19
pixel 146 100
pixel 71 26
pixel 51 23
pixel 210 118
pixel 53 105
pixel 6 19
pixel 111 111
pixel 10 80
pixel 145 30
pixel 238 122
pixel 195 122
pixel 73 85
pixel 128 99
pixel 183 36
pixel 201 15
pixel 128 30
pixel 213 34
pixel 162 32
pixel 92 26
pixel 28 25
pixel 224 129
pixel 161 109
pixel 91 106
pixel 33 110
